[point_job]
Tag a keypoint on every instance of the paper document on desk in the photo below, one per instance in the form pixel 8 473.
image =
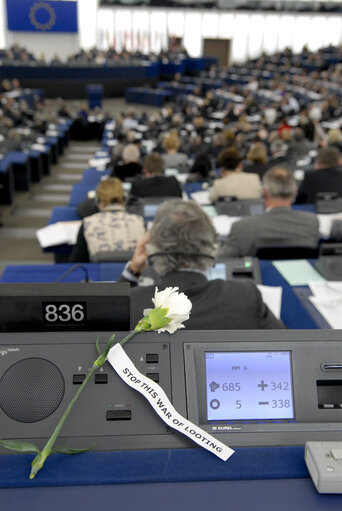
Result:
pixel 99 163
pixel 327 298
pixel 272 295
pixel 201 197
pixel 298 272
pixel 325 223
pixel 58 233
pixel 223 223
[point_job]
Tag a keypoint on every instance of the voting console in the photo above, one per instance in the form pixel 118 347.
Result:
pixel 246 388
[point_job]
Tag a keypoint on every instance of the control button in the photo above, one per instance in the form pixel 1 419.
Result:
pixel 119 415
pixel 152 358
pixel 153 376
pixel 328 405
pixel 78 379
pixel 101 378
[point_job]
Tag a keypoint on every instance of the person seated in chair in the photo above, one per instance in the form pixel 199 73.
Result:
pixel 130 166
pixel 109 231
pixel 279 222
pixel 327 176
pixel 172 158
pixel 201 170
pixel 234 182
pixel 155 183
pixel 181 246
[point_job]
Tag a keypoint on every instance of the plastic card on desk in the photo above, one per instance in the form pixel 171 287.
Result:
pixel 210 210
pixel 298 272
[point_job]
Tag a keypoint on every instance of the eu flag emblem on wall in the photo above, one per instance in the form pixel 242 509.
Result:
pixel 42 16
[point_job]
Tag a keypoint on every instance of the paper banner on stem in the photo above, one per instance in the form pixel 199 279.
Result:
pixel 157 398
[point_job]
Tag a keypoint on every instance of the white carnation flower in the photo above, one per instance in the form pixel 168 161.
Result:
pixel 178 305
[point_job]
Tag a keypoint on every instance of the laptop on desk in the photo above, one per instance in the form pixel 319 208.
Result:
pixel 245 207
pixel 328 202
pixel 329 263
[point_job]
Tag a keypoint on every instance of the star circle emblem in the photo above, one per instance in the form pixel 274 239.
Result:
pixel 52 16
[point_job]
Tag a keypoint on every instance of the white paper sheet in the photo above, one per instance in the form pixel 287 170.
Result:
pixel 272 296
pixel 327 298
pixel 182 178
pixel 223 223
pixel 201 197
pixel 99 163
pixel 58 233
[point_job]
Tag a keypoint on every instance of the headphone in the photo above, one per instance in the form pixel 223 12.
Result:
pixel 180 252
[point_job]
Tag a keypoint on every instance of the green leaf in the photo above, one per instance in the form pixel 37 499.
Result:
pixel 98 346
pixel 69 450
pixel 18 445
pixel 103 356
pixel 156 318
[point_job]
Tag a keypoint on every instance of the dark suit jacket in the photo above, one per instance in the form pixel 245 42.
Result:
pixel 322 180
pixel 126 170
pixel 157 186
pixel 216 304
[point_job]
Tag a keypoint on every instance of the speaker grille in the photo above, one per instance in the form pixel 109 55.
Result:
pixel 31 390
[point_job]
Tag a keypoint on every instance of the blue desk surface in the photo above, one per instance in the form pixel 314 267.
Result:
pixel 79 193
pixel 154 466
pixel 63 214
pixel 50 273
pixel 293 312
pixel 187 479
pixel 260 495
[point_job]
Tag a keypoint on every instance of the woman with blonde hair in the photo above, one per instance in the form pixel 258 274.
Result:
pixel 335 138
pixel 111 231
pixel 174 159
pixel 257 159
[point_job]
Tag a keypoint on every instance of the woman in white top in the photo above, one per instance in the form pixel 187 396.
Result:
pixel 111 231
pixel 234 182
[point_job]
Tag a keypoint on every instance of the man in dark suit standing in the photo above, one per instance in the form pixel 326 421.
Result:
pixel 327 176
pixel 181 246
pixel 155 183
pixel 279 222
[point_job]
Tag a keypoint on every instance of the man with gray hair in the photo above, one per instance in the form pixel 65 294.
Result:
pixel 181 246
pixel 130 166
pixel 278 224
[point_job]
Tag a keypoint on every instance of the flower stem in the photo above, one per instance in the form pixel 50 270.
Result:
pixel 129 336
pixel 39 460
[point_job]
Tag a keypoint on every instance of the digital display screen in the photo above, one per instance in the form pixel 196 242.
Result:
pixel 217 272
pixel 256 209
pixel 61 313
pixel 150 210
pixel 248 385
pixel 171 172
